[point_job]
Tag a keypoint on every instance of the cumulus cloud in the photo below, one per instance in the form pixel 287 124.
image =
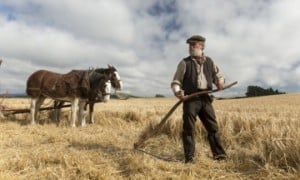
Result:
pixel 253 42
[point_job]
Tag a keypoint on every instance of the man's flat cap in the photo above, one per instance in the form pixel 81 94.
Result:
pixel 195 38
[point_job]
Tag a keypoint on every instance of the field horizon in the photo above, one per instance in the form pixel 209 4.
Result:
pixel 261 136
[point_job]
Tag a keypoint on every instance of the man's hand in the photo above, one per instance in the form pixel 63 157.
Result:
pixel 179 95
pixel 220 85
pixel 178 92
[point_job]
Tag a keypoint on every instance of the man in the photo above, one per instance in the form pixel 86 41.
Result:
pixel 195 73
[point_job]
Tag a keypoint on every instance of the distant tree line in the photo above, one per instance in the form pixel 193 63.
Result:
pixel 253 91
pixel 159 96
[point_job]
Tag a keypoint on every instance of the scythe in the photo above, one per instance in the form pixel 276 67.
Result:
pixel 146 135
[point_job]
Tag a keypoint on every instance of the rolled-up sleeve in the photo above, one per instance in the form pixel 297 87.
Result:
pixel 179 74
pixel 219 78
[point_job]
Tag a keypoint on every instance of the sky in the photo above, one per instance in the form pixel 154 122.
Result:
pixel 253 42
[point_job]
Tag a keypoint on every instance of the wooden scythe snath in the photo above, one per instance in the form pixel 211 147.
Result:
pixel 146 135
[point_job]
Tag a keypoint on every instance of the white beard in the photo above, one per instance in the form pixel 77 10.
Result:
pixel 196 52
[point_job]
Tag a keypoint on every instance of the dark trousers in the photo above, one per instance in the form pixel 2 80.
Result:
pixel 201 107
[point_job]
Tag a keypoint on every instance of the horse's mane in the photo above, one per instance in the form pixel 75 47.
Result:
pixel 96 76
pixel 106 70
pixel 100 70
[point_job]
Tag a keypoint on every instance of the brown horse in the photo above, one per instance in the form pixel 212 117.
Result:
pixel 75 87
pixel 114 80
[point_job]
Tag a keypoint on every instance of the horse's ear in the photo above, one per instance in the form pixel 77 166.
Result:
pixel 111 66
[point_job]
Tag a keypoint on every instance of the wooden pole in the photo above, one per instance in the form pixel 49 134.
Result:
pixel 21 111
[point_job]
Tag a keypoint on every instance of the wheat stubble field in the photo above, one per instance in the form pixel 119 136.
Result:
pixel 261 136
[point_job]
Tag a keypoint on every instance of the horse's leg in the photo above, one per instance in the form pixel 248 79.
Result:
pixel 56 113
pixel 85 109
pixel 57 108
pixel 33 110
pixel 74 110
pixel 82 112
pixel 35 107
pixel 91 112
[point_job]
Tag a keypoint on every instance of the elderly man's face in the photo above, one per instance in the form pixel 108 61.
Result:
pixel 196 48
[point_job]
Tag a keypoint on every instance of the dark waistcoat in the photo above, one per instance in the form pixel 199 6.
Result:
pixel 190 80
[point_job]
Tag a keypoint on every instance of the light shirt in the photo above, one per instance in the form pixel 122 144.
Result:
pixel 202 82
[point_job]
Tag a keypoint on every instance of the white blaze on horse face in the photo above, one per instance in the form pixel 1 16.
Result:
pixel 117 75
pixel 107 91
pixel 121 85
pixel 119 79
